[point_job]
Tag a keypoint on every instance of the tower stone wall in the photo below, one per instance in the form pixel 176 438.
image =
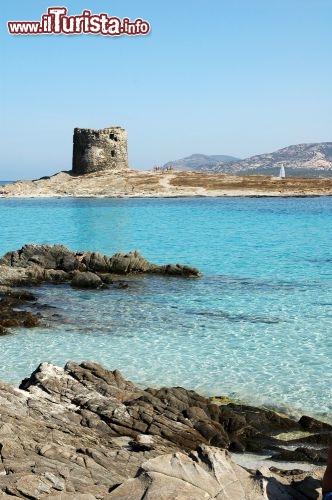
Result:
pixel 97 150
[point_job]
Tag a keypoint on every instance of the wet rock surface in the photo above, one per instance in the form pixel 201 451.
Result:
pixel 86 432
pixel 13 313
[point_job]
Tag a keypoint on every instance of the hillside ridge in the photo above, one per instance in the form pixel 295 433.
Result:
pixel 304 160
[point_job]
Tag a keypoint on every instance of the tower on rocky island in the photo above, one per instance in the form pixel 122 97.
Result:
pixel 97 150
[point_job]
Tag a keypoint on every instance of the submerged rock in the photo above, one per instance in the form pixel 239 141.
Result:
pixel 3 331
pixel 23 295
pixel 12 310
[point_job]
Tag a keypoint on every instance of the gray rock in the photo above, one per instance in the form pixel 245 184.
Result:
pixel 33 264
pixel 179 270
pixel 96 262
pixel 12 276
pixel 56 276
pixel 132 262
pixel 206 474
pixel 86 280
pixel 71 496
pixel 44 256
pixel 85 432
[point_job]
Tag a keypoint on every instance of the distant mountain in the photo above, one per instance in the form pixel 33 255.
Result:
pixel 305 160
pixel 308 160
pixel 200 162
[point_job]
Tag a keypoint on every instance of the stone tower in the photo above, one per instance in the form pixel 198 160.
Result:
pixel 96 150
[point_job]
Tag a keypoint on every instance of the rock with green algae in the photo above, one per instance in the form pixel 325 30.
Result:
pixel 222 400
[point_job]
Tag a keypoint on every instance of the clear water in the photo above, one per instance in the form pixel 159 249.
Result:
pixel 256 326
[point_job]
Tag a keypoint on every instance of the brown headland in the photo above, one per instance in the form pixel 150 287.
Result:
pixel 143 183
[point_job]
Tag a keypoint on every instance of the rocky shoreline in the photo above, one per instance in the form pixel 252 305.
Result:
pixel 141 184
pixel 84 432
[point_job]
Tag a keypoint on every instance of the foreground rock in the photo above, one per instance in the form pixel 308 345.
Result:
pixel 84 432
pixel 205 473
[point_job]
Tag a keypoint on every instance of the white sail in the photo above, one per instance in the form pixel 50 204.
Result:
pixel 282 174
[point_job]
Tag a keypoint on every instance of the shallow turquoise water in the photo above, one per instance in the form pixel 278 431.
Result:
pixel 256 326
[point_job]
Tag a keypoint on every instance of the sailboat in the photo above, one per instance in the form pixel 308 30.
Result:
pixel 282 174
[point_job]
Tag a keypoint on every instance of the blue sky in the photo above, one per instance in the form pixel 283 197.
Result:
pixel 233 77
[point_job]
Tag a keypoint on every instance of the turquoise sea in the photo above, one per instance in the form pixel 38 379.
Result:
pixel 256 326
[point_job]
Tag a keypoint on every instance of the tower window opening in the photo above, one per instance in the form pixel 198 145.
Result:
pixel 113 153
